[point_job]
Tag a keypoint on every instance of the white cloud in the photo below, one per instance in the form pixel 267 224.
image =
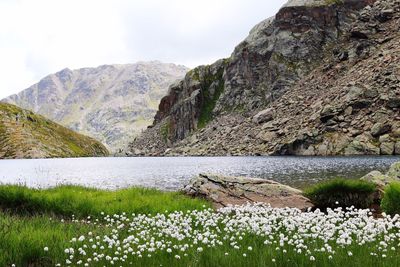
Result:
pixel 43 36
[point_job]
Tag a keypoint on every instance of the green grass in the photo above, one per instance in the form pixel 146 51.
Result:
pixel 391 199
pixel 341 193
pixel 31 218
pixel 263 255
pixel 81 202
pixel 23 239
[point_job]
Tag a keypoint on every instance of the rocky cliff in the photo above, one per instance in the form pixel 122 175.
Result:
pixel 112 103
pixel 24 134
pixel 320 78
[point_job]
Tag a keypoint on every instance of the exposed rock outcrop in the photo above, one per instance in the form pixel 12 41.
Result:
pixel 224 190
pixel 326 77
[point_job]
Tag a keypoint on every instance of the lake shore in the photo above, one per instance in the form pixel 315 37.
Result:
pixel 74 226
pixel 174 173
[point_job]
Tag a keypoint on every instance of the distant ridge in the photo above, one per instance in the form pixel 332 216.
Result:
pixel 24 134
pixel 111 103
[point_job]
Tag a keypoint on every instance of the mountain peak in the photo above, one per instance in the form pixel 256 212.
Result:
pixel 111 103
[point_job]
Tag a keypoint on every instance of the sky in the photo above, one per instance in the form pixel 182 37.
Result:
pixel 44 36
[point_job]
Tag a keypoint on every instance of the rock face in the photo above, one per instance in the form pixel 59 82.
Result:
pixel 320 78
pixel 112 103
pixel 24 134
pixel 223 191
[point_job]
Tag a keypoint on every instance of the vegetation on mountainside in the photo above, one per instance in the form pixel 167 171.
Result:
pixel 25 134
pixel 334 2
pixel 212 88
pixel 165 130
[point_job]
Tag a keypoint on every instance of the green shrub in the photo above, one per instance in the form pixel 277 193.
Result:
pixel 391 199
pixel 341 193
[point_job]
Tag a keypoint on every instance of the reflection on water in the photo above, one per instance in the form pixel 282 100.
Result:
pixel 173 173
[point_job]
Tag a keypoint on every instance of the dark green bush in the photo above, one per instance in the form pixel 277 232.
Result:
pixel 341 193
pixel 391 199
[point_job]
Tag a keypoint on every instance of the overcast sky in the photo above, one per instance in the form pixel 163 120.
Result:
pixel 39 37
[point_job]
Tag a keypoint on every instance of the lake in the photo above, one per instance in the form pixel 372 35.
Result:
pixel 171 173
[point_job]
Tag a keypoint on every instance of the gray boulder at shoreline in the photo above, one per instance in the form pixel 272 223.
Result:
pixel 382 180
pixel 226 190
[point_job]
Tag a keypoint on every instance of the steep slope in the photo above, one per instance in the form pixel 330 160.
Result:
pixel 111 103
pixel 324 74
pixel 24 134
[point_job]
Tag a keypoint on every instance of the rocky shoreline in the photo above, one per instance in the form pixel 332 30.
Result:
pixel 335 91
pixel 223 191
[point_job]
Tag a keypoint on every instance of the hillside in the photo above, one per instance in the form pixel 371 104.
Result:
pixel 320 78
pixel 111 103
pixel 24 134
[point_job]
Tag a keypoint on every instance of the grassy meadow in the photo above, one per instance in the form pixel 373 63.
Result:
pixel 31 219
pixel 76 226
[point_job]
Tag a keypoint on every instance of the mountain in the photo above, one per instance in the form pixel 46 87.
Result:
pixel 24 134
pixel 111 103
pixel 322 77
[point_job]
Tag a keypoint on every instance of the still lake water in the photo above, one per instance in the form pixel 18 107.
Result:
pixel 171 173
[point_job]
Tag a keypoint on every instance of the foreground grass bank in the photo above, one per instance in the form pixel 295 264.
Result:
pixel 22 239
pixel 38 229
pixel 81 202
pixel 31 219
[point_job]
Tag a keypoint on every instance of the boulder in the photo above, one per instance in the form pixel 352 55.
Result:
pixel 361 148
pixel 378 178
pixel 371 93
pixel 380 128
pixel 327 113
pixel 393 102
pixel 394 171
pixel 227 190
pixel 387 145
pixel 382 180
pixel 387 148
pixel 397 148
pixel 266 136
pixel 264 116
pixel 354 93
